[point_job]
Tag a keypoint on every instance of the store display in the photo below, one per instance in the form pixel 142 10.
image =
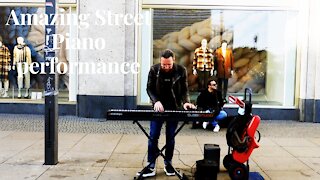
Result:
pixel 21 62
pixel 34 38
pixel 184 43
pixel 13 73
pixel 249 63
pixel 5 59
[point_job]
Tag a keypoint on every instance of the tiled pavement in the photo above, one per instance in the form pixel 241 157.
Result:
pixel 91 149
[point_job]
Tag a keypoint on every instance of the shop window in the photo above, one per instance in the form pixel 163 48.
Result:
pixel 263 45
pixel 28 85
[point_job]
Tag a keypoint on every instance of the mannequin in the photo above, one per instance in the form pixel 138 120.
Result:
pixel 4 68
pixel 224 66
pixel 203 64
pixel 22 58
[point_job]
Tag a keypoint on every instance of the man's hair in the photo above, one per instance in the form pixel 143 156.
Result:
pixel 210 80
pixel 167 53
pixel 224 41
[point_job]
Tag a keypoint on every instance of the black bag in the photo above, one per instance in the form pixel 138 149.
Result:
pixel 236 137
pixel 224 123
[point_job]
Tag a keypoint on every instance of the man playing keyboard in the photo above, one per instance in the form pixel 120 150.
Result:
pixel 167 88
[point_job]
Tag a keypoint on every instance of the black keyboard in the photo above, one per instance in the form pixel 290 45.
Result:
pixel 147 115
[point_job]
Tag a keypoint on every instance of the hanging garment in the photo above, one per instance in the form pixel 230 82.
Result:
pixel 5 60
pixel 203 59
pixel 21 53
pixel 224 64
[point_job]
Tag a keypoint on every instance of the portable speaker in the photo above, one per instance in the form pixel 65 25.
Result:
pixel 212 153
pixel 206 170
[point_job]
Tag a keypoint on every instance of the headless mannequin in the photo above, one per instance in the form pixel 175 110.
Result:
pixel 4 70
pixel 224 66
pixel 203 64
pixel 21 59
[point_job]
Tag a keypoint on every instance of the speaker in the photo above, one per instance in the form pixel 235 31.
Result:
pixel 206 170
pixel 212 153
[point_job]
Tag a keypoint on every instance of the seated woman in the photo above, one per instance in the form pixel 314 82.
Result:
pixel 211 100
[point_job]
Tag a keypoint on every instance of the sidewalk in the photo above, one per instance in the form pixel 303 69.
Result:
pixel 116 150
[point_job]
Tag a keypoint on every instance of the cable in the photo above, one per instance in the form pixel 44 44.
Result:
pixel 191 167
pixel 142 163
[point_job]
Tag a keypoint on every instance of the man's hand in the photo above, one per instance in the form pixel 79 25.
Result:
pixel 158 107
pixel 187 106
pixel 231 72
pixel 194 72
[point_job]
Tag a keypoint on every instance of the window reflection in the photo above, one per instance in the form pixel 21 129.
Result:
pixel 258 39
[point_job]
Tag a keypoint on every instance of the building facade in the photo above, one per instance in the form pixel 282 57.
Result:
pixel 113 44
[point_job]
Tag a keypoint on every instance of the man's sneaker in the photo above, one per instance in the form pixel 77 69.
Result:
pixel 204 125
pixel 148 173
pixel 216 128
pixel 169 170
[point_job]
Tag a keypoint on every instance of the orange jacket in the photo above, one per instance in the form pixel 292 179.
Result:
pixel 224 65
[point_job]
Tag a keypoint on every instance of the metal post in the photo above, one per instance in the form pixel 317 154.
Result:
pixel 51 91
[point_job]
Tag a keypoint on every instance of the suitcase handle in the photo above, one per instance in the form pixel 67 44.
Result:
pixel 249 92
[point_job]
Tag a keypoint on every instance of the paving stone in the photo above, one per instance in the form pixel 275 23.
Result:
pixel 73 124
pixel 98 149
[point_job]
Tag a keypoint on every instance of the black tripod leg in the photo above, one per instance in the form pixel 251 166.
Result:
pixel 180 128
pixel 142 129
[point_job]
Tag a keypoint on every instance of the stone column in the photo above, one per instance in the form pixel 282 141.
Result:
pixel 309 96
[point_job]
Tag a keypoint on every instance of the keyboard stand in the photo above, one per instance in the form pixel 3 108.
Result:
pixel 160 152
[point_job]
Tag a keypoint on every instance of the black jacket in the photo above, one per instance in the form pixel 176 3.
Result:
pixel 210 101
pixel 179 88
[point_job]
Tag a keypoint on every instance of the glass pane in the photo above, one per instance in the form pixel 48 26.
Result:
pixel 263 46
pixel 27 24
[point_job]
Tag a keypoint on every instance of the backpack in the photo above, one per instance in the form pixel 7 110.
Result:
pixel 236 132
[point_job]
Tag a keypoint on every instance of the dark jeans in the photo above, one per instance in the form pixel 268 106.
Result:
pixel 155 129
pixel 203 77
pixel 223 86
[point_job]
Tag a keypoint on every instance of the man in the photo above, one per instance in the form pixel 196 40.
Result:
pixel 167 88
pixel 211 100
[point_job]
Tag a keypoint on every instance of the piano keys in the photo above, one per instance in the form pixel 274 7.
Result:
pixel 148 115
